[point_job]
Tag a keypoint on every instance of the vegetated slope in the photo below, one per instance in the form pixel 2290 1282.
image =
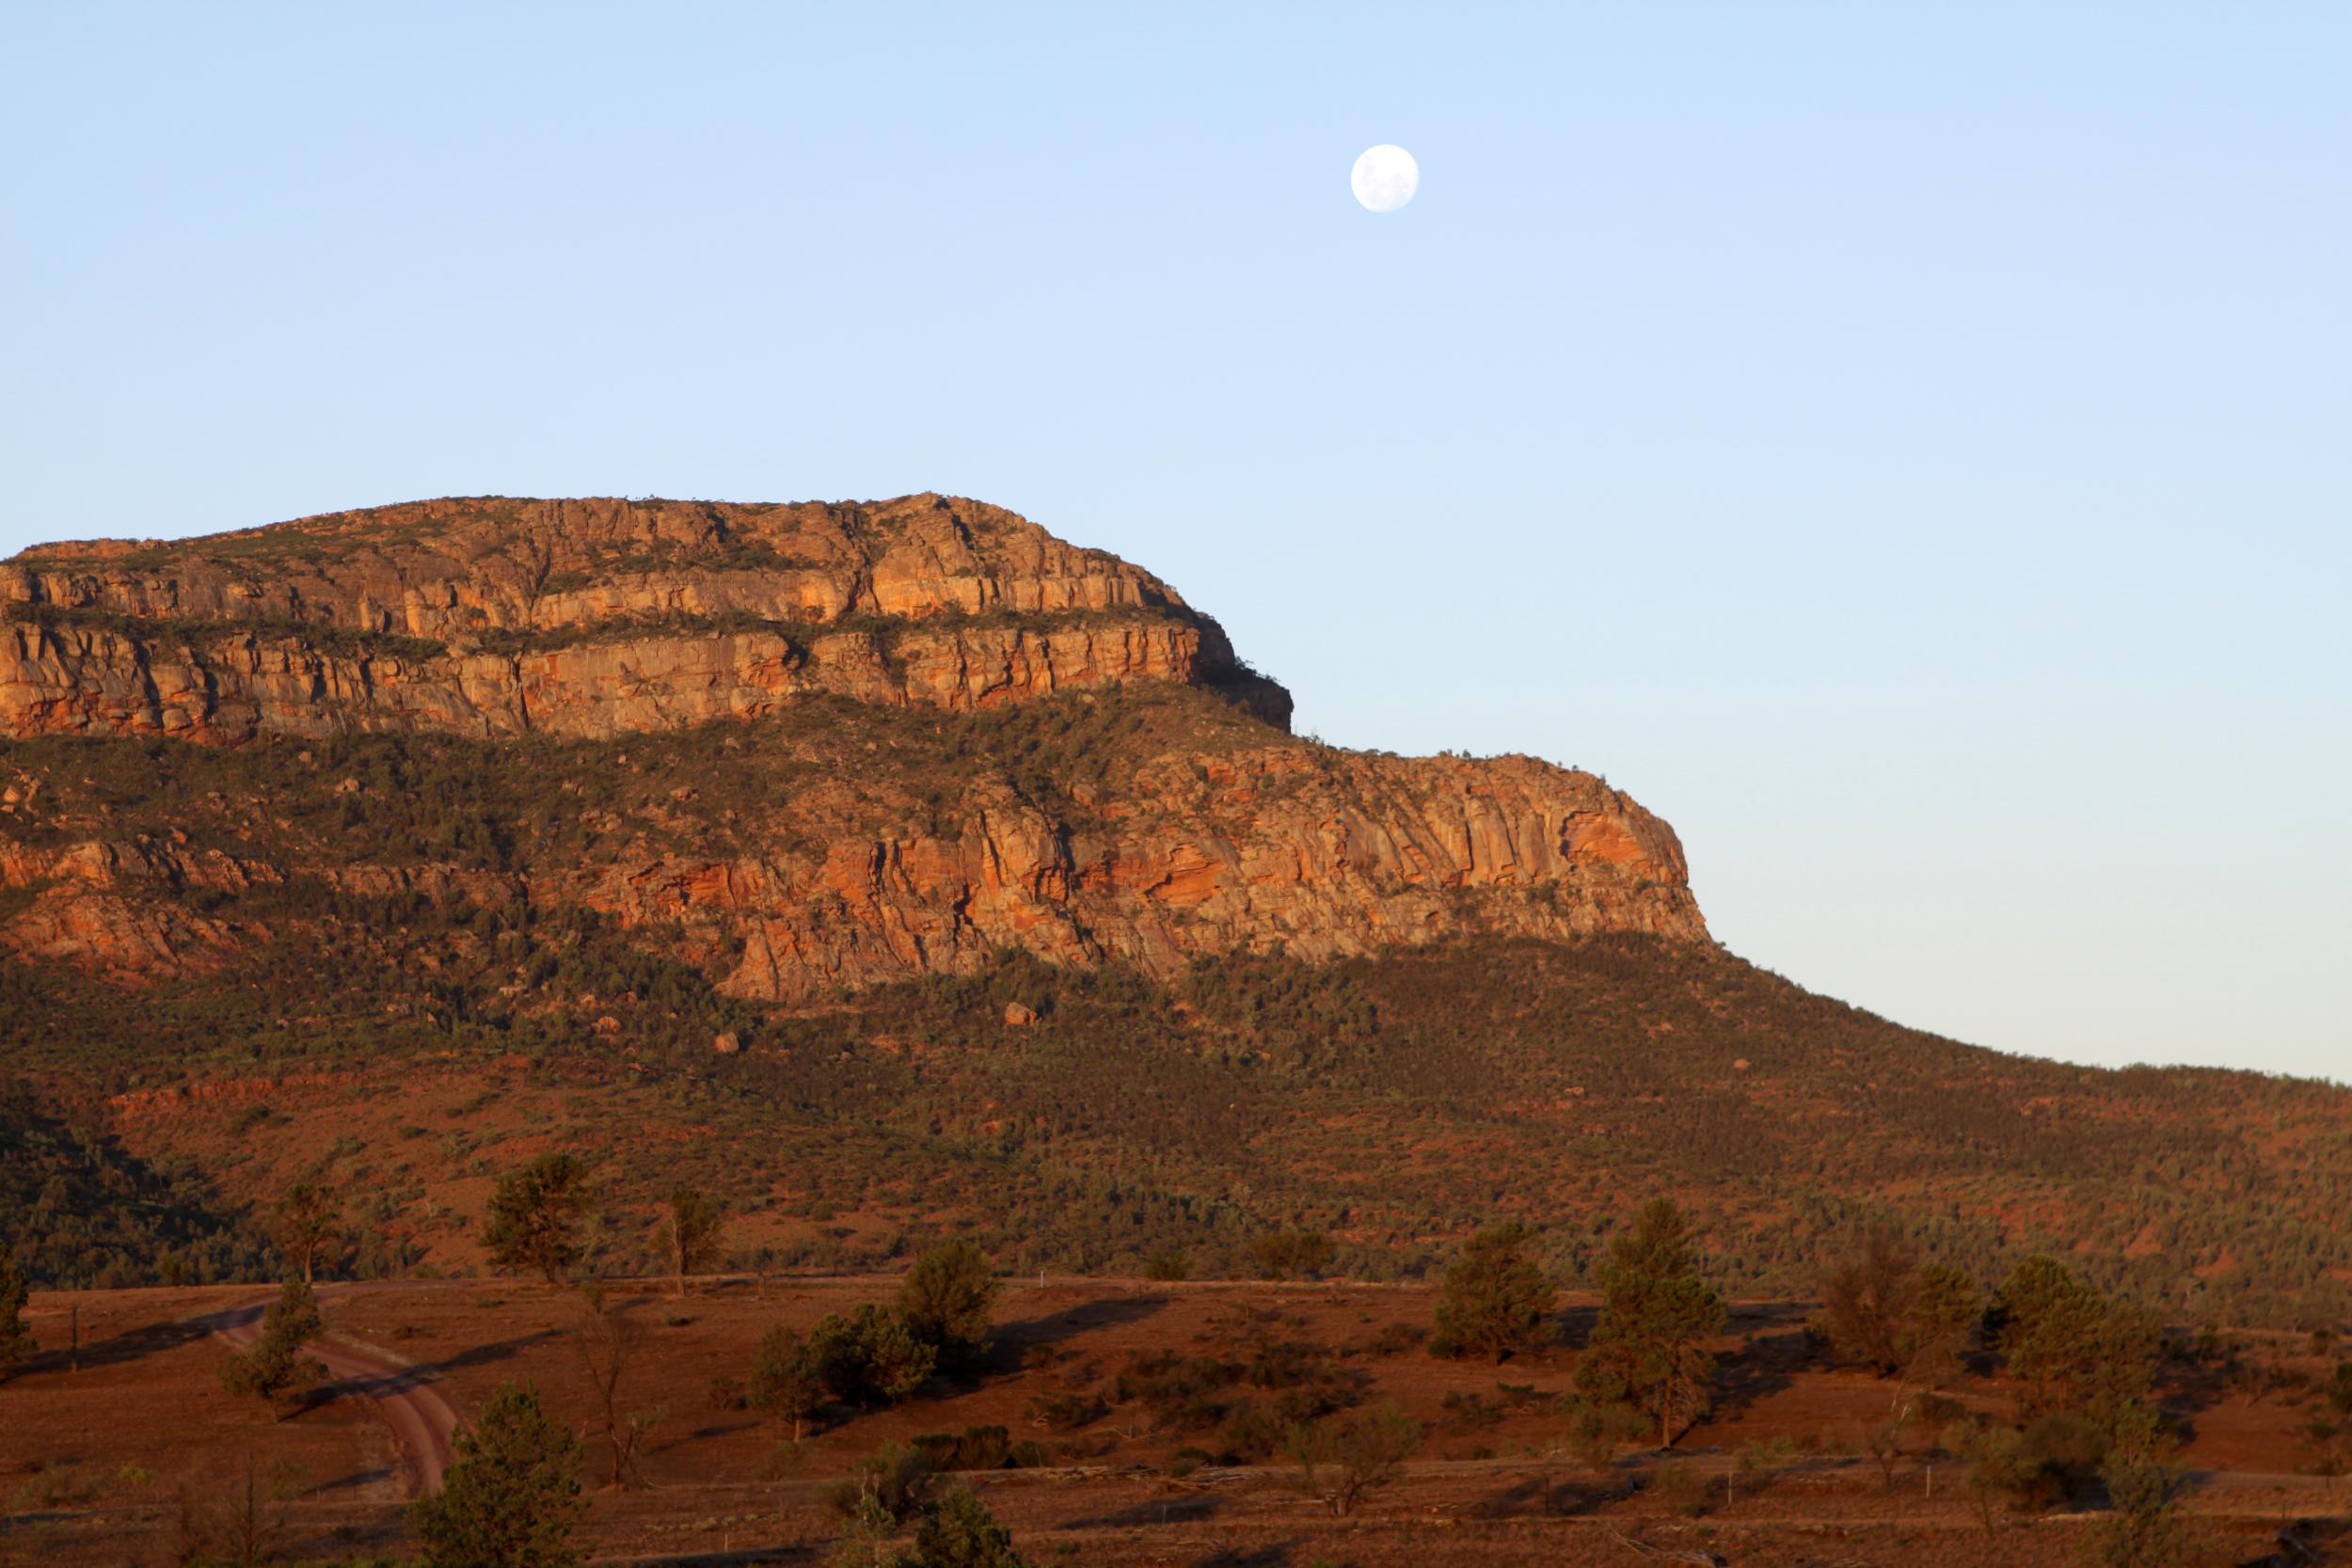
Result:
pixel 80 1210
pixel 401 934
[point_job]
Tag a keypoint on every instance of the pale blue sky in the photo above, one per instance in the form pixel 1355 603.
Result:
pixel 1910 447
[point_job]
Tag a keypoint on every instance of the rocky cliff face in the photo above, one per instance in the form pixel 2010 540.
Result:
pixel 588 618
pixel 681 715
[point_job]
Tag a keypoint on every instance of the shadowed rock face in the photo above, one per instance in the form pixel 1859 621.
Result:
pixel 593 621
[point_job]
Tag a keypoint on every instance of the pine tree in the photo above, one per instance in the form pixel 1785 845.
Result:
pixel 1655 1315
pixel 785 1381
pixel 275 1364
pixel 946 1300
pixel 535 1215
pixel 1496 1302
pixel 512 1497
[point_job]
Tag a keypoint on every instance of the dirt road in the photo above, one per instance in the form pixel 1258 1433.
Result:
pixel 422 1423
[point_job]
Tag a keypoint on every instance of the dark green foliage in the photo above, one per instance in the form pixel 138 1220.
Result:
pixel 1883 1308
pixel 946 1299
pixel 1292 1255
pixel 2329 1427
pixel 512 1497
pixel 977 1447
pixel 2144 1527
pixel 1242 1402
pixel 785 1380
pixel 274 1364
pixel 535 1216
pixel 959 1531
pixel 892 1483
pixel 16 1341
pixel 1648 1349
pixel 1496 1302
pixel 1167 1266
pixel 867 1359
pixel 2070 1346
pixel 90 1215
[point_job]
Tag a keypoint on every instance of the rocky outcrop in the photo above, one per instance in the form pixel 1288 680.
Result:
pixel 1325 854
pixel 839 865
pixel 71 677
pixel 582 618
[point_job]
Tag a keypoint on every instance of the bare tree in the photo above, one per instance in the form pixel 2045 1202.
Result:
pixel 1343 1457
pixel 608 1341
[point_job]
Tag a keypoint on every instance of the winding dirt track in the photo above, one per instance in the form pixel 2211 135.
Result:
pixel 422 1423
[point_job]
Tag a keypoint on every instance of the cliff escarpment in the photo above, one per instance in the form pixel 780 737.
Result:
pixel 808 746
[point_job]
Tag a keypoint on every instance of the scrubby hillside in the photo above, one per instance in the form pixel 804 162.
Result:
pixel 396 846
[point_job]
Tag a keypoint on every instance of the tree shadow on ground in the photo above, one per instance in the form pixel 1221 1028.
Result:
pixel 1012 1339
pixel 1758 1370
pixel 1188 1509
pixel 132 1345
pixel 1273 1555
pixel 358 1480
pixel 498 1349
pixel 2307 1543
pixel 1549 1496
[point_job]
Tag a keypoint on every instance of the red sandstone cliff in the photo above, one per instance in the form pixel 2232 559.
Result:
pixel 584 622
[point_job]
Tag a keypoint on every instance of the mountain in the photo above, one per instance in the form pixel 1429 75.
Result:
pixel 831 829
pixel 894 868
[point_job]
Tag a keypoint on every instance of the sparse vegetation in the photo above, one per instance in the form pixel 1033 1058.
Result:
pixel 1341 1458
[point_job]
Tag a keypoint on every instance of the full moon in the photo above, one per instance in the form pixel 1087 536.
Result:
pixel 1384 178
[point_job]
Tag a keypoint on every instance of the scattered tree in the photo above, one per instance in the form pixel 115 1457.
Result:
pixel 1657 1314
pixel 2329 1429
pixel 690 1227
pixel 1167 1266
pixel 1993 1466
pixel 2070 1346
pixel 1341 1458
pixel 869 1358
pixel 1291 1254
pixel 307 1225
pixel 893 1481
pixel 608 1340
pixel 959 1531
pixel 275 1365
pixel 785 1380
pixel 536 1214
pixel 1496 1302
pixel 239 1525
pixel 512 1497
pixel 16 1341
pixel 1910 1322
pixel 946 1299
pixel 2144 1527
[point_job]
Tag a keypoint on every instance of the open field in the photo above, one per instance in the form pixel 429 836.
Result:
pixel 93 1460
